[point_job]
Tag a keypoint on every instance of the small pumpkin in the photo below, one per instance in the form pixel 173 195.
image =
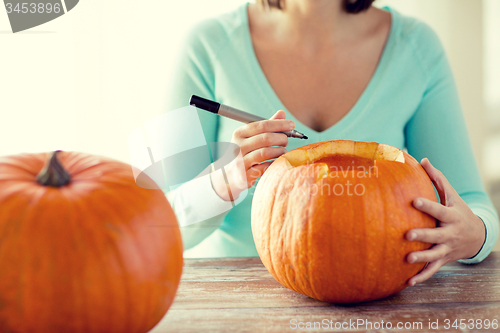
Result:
pixel 329 219
pixel 82 247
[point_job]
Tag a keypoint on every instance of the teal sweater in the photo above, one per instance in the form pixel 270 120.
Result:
pixel 411 103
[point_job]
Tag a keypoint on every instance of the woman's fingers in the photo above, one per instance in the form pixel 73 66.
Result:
pixel 263 140
pixel 434 253
pixel 426 273
pixel 259 141
pixel 262 154
pixel 428 235
pixel 434 209
pixel 256 171
pixel 273 125
pixel 280 114
pixel 460 233
pixel 444 188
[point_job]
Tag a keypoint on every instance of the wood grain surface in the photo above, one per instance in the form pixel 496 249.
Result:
pixel 239 295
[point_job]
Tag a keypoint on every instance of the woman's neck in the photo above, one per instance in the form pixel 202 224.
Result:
pixel 310 22
pixel 318 16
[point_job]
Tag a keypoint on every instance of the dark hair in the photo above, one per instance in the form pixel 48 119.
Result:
pixel 357 6
pixel 350 6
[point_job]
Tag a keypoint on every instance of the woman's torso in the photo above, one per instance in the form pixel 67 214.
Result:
pixel 319 76
pixel 380 112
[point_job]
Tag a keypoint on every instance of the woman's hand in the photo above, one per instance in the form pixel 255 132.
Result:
pixel 258 142
pixel 460 233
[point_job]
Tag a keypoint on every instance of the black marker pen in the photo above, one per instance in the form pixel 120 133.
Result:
pixel 235 114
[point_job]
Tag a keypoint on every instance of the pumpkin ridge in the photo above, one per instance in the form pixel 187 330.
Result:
pixel 293 238
pixel 77 239
pixel 91 255
pixel 364 251
pixel 384 252
pixel 78 173
pixel 12 230
pixel 283 236
pixel 20 295
pixel 74 298
pixel 288 251
pixel 75 163
pixel 28 224
pixel 9 177
pixel 387 275
pixel 399 194
pixel 148 292
pixel 280 242
pixel 115 254
pixel 290 236
pixel 268 240
pixel 313 265
pixel 308 246
pixel 8 161
pixel 298 236
pixel 119 256
pixel 148 263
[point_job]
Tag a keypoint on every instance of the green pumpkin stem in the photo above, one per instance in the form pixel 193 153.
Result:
pixel 53 173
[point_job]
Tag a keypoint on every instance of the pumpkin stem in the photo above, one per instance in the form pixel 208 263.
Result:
pixel 53 173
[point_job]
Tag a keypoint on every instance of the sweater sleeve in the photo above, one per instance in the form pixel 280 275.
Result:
pixel 198 208
pixel 437 131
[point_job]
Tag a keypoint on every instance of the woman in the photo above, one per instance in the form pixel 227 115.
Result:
pixel 340 70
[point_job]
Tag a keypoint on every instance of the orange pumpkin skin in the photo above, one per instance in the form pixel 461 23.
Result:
pixel 97 255
pixel 340 248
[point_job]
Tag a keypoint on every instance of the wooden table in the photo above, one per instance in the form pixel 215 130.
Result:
pixel 239 295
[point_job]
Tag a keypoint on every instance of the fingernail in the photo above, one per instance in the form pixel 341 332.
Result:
pixel 412 259
pixel 291 124
pixel 418 203
pixel 285 150
pixel 412 284
pixel 412 236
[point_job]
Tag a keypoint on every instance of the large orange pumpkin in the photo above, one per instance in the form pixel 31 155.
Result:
pixel 82 247
pixel 329 219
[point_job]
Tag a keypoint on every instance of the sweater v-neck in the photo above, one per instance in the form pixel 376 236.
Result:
pixel 354 113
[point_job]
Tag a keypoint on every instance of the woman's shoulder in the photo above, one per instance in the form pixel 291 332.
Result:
pixel 417 36
pixel 218 31
pixel 416 32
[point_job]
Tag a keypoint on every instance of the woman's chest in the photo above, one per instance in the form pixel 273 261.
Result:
pixel 319 90
pixel 380 115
